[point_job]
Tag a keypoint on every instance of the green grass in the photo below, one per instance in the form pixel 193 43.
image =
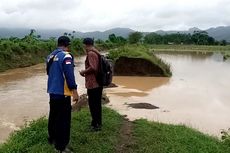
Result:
pixel 152 137
pixel 139 51
pixel 148 137
pixel 15 53
pixel 33 139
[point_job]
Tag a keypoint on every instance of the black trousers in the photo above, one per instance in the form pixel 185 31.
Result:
pixel 59 122
pixel 94 100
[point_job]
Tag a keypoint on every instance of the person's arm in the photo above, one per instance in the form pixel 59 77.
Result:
pixel 75 95
pixel 93 63
pixel 68 68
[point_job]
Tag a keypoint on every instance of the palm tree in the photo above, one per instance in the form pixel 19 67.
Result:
pixel 73 34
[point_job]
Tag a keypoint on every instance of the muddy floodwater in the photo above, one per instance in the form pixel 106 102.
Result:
pixel 23 96
pixel 198 94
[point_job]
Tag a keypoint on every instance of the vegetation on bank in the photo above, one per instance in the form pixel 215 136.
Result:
pixel 139 51
pixel 189 48
pixel 148 137
pixel 30 50
pixel 161 138
pixel 196 38
pixel 15 52
pixel 226 55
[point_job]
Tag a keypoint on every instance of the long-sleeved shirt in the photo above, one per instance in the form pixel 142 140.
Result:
pixel 61 79
pixel 91 66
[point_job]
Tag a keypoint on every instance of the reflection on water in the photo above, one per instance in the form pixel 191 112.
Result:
pixel 189 55
pixel 140 83
pixel 196 95
pixel 129 94
pixel 136 86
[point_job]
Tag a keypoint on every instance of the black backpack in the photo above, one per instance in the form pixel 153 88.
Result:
pixel 105 71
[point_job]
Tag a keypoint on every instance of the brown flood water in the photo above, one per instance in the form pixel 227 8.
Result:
pixel 23 96
pixel 196 95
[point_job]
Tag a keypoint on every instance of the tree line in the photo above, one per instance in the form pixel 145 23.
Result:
pixel 197 38
pixel 20 52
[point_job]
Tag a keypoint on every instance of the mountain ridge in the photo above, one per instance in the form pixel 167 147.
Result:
pixel 219 33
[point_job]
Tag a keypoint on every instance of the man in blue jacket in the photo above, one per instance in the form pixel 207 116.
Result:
pixel 61 86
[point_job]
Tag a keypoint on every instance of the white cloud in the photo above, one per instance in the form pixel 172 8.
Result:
pixel 90 15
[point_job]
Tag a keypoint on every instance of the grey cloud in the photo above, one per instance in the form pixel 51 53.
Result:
pixel 100 15
pixel 52 5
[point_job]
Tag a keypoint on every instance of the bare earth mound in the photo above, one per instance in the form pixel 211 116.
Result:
pixel 83 101
pixel 126 66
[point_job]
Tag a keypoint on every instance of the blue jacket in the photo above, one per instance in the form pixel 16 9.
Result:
pixel 61 79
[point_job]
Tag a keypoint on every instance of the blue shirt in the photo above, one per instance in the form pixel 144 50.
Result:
pixel 61 79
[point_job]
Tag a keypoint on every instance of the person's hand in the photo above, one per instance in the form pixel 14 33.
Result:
pixel 82 73
pixel 75 95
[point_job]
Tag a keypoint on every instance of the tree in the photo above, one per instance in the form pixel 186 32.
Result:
pixel 32 32
pixel 99 41
pixel 135 37
pixel 200 37
pixel 153 38
pixel 211 41
pixel 73 34
pixel 31 37
pixel 113 38
pixel 223 43
pixel 121 40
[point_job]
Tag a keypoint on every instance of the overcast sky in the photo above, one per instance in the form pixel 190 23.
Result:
pixel 91 15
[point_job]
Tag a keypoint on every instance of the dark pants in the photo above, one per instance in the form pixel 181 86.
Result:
pixel 94 100
pixel 59 122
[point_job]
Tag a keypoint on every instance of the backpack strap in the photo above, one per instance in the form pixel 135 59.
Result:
pixel 51 59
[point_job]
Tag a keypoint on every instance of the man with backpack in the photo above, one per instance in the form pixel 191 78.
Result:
pixel 61 86
pixel 94 90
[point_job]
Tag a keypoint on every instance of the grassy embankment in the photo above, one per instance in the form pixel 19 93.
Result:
pixel 22 53
pixel 190 48
pixel 15 52
pixel 225 50
pixel 147 137
pixel 138 51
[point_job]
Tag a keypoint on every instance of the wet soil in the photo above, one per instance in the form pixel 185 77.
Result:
pixel 126 66
pixel 126 139
pixel 83 102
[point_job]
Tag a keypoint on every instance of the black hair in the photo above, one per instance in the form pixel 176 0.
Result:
pixel 88 41
pixel 63 41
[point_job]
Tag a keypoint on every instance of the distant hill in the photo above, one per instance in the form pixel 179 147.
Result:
pixel 46 34
pixel 219 33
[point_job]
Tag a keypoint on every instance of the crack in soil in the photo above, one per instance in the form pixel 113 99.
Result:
pixel 126 138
